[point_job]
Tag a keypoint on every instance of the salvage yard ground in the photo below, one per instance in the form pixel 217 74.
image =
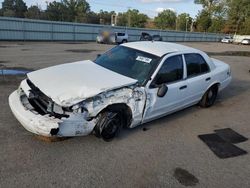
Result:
pixel 164 153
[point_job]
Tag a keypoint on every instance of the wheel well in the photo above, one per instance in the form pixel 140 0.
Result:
pixel 124 109
pixel 215 85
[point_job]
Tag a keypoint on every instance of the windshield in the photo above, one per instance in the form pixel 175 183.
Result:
pixel 129 62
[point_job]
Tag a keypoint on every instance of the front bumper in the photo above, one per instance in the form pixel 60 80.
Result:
pixel 75 125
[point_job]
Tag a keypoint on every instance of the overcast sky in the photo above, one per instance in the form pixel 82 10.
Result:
pixel 149 7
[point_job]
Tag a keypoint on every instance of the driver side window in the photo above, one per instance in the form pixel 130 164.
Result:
pixel 171 70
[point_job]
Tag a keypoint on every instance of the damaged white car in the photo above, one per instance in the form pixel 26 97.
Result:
pixel 127 86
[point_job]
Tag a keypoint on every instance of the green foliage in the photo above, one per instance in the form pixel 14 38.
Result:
pixel 33 12
pixel 76 10
pixel 136 18
pixel 246 27
pixel 166 20
pixel 217 25
pixel 105 17
pixel 8 5
pixel 93 18
pixel 183 20
pixel 212 17
pixel 230 16
pixel 68 10
pixel 239 16
pixel 203 21
pixel 122 19
pixel 56 11
pixel 14 8
pixel 132 18
pixel 207 3
pixel 9 13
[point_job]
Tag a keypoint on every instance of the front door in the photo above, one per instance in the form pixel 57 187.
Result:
pixel 171 74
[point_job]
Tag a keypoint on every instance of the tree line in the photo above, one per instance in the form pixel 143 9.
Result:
pixel 226 16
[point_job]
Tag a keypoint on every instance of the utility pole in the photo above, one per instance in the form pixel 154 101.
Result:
pixel 176 23
pixel 192 25
pixel 129 18
pixel 187 23
pixel 113 19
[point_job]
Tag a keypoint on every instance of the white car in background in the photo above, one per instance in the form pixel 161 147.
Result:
pixel 245 41
pixel 121 37
pixel 227 39
pixel 127 86
pixel 112 38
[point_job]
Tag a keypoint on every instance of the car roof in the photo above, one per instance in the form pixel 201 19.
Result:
pixel 158 48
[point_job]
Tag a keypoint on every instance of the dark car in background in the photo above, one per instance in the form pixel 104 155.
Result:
pixel 147 37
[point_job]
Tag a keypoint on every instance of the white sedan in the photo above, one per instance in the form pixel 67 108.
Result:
pixel 127 86
pixel 245 41
pixel 227 39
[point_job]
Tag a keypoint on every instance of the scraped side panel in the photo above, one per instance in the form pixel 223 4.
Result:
pixel 135 98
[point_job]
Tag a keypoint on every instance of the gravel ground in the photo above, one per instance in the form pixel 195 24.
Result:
pixel 150 155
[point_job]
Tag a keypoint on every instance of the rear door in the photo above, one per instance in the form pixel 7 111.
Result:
pixel 120 37
pixel 198 76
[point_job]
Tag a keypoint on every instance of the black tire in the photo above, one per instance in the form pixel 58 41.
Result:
pixel 124 41
pixel 109 125
pixel 209 97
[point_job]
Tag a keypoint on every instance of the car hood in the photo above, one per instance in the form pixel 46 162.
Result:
pixel 71 83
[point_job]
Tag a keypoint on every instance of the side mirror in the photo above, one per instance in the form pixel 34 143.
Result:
pixel 98 55
pixel 163 89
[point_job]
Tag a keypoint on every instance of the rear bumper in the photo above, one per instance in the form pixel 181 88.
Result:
pixel 75 125
pixel 225 83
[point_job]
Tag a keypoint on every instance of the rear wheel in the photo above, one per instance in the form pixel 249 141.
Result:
pixel 124 41
pixel 109 125
pixel 209 97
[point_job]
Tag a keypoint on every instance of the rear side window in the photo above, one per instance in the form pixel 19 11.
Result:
pixel 196 64
pixel 171 70
pixel 121 34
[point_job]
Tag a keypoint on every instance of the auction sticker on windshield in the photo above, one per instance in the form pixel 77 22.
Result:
pixel 143 59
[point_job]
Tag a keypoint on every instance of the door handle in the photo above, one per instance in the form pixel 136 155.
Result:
pixel 183 87
pixel 207 79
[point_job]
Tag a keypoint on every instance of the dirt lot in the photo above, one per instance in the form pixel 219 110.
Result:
pixel 138 157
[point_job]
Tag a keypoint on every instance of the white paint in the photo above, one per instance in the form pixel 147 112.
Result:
pixel 32 122
pixel 68 84
pixel 134 97
pixel 239 38
pixel 158 48
pixel 75 125
pixel 196 86
pixel 245 41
